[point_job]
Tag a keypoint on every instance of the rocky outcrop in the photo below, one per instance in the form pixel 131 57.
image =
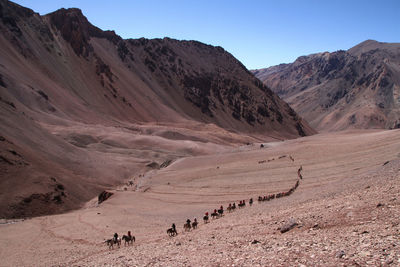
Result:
pixel 103 196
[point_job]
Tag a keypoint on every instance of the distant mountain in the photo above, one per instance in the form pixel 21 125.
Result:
pixel 357 88
pixel 82 109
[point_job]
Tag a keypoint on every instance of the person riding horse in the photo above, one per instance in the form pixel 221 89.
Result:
pixel 221 211
pixel 115 238
pixel 194 223
pixel 187 226
pixel 205 218
pixel 172 231
pixel 129 239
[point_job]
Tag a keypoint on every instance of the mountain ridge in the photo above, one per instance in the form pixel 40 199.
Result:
pixel 357 88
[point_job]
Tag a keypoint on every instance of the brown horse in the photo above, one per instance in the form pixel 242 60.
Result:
pixel 187 226
pixel 111 242
pixel 172 232
pixel 128 239
pixel 194 224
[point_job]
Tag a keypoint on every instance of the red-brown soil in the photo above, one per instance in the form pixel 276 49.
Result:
pixel 346 209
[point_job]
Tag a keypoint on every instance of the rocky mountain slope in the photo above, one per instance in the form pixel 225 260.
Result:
pixel 81 109
pixel 357 88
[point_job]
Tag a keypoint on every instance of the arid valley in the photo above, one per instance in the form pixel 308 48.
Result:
pixel 346 209
pixel 103 138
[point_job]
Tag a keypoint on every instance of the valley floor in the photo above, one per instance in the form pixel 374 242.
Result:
pixel 347 211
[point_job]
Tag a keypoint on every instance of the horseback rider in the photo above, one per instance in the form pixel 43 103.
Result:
pixel 251 201
pixel 173 227
pixel 129 234
pixel 207 214
pixel 188 221
pixel 115 238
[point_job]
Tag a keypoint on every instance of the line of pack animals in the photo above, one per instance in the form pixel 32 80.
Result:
pixel 217 213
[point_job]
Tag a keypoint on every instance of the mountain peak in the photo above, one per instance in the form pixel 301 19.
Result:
pixel 77 30
pixel 365 46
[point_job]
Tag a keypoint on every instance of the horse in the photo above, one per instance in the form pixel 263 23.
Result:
pixel 172 232
pixel 221 212
pixel 194 224
pixel 128 239
pixel 187 226
pixel 111 242
pixel 229 208
pixel 205 219
pixel 214 215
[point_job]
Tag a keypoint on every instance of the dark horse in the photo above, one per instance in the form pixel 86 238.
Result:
pixel 194 224
pixel 220 212
pixel 205 218
pixel 111 242
pixel 172 232
pixel 214 215
pixel 128 239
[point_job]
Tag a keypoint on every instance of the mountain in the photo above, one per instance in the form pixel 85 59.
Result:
pixel 357 88
pixel 82 109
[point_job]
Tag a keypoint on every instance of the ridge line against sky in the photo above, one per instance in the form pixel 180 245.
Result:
pixel 258 33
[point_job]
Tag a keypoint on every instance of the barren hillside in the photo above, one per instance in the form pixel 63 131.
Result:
pixel 357 88
pixel 81 109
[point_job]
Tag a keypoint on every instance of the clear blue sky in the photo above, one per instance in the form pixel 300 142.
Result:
pixel 259 33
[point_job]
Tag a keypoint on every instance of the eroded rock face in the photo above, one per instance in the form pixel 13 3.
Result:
pixel 356 88
pixel 103 196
